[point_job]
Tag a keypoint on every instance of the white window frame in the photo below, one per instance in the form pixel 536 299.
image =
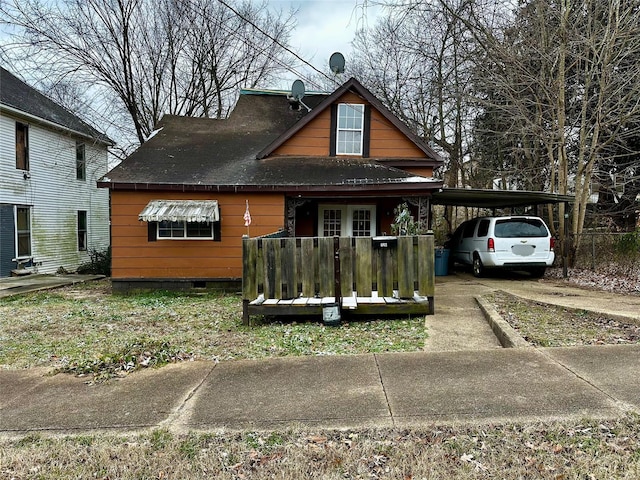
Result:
pixel 83 234
pixel 15 216
pixel 342 107
pixel 81 161
pixel 346 226
pixel 184 229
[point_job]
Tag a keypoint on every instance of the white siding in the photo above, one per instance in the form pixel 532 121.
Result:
pixel 54 193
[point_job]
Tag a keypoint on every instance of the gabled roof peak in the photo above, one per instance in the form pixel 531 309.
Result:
pixel 356 87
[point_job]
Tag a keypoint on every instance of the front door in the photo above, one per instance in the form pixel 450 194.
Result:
pixel 346 220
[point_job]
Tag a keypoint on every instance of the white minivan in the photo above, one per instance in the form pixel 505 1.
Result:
pixel 516 243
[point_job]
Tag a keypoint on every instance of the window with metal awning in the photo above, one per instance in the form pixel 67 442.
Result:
pixel 182 219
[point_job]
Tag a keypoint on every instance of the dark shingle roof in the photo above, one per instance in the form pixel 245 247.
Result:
pixel 18 95
pixel 202 153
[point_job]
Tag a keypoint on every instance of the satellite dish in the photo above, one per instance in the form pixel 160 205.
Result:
pixel 297 90
pixel 336 63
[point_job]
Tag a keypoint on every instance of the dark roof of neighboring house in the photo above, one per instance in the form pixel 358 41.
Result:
pixel 189 153
pixel 19 96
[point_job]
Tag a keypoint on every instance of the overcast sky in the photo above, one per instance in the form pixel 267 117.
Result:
pixel 326 26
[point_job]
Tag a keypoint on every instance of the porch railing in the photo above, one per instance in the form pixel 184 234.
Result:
pixel 296 267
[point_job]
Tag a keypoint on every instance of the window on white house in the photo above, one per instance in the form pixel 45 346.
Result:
pixel 350 129
pixel 347 220
pixel 23 232
pixel 81 161
pixel 182 230
pixel 82 230
pixel 22 146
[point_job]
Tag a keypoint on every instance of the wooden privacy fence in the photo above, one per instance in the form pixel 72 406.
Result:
pixel 364 275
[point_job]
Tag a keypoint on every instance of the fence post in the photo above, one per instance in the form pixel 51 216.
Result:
pixel 249 281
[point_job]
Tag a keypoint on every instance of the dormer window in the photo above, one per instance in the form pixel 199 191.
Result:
pixel 350 129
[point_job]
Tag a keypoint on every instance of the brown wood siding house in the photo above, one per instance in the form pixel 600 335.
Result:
pixel 340 168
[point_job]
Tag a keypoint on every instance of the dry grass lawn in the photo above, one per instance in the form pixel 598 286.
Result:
pixel 85 329
pixel 546 326
pixel 586 450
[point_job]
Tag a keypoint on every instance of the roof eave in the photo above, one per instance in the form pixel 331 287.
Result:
pixel 423 186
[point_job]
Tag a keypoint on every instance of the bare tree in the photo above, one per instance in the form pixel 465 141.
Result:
pixel 152 56
pixel 565 75
pixel 416 59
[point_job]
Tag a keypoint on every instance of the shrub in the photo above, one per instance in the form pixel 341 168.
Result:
pixel 629 243
pixel 405 224
pixel 100 263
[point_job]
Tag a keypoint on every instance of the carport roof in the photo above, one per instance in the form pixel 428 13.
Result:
pixel 465 197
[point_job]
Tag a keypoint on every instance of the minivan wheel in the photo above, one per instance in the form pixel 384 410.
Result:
pixel 478 269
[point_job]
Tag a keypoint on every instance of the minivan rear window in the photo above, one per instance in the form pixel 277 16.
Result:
pixel 520 227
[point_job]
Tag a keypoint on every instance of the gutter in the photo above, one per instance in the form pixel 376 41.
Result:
pixel 326 189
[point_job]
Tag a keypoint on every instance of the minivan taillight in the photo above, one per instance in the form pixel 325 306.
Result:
pixel 552 243
pixel 491 245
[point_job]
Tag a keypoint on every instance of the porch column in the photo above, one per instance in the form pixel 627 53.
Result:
pixel 424 207
pixel 291 205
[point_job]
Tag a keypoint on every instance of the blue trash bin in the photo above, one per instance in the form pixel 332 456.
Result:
pixel 442 262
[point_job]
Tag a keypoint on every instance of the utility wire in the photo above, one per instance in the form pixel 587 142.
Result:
pixel 284 47
pixel 264 51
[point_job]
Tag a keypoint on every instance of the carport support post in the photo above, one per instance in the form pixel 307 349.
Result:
pixel 565 244
pixel 336 272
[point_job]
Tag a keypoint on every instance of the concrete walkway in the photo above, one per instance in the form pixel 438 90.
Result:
pixel 31 283
pixel 448 383
pixel 382 390
pixel 459 324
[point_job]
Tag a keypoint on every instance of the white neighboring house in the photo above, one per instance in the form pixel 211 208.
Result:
pixel 51 212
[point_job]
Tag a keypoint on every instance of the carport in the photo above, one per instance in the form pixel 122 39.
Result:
pixel 494 199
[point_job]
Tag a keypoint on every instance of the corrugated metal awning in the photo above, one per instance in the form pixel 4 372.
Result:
pixel 180 211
